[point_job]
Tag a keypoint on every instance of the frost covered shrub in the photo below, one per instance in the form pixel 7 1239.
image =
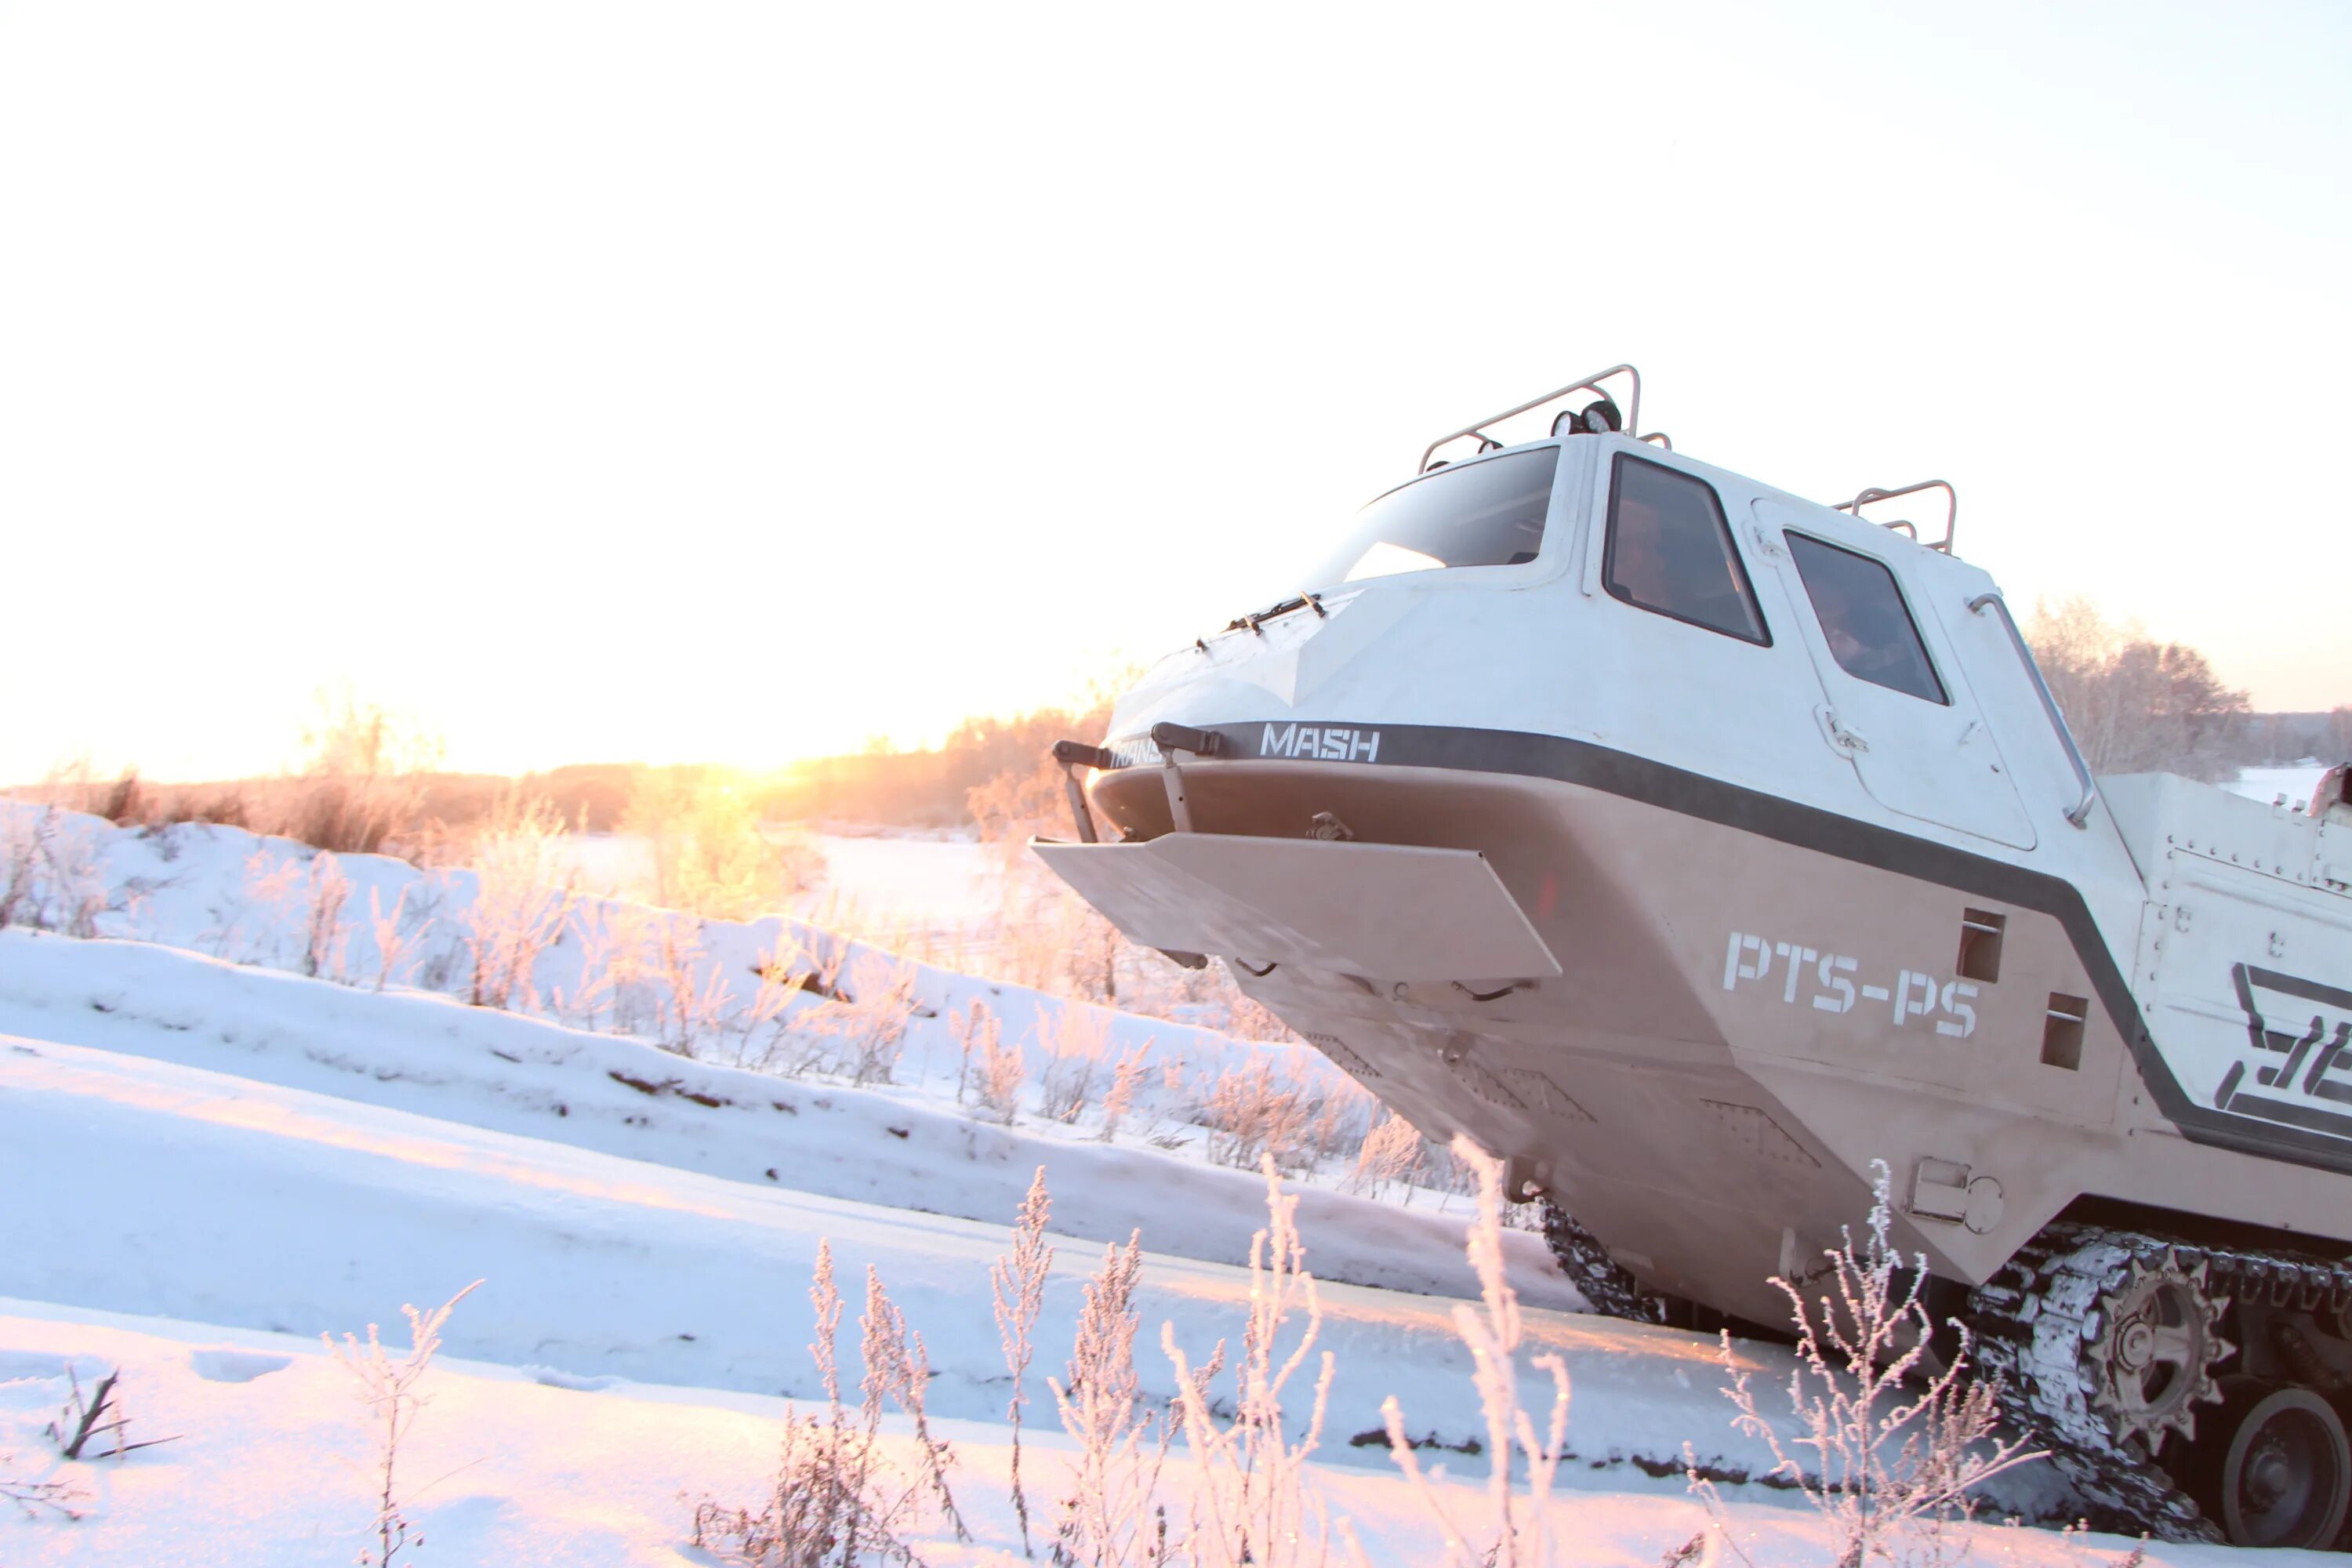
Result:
pixel 991 1070
pixel 1389 1155
pixel 764 1029
pixel 1252 1504
pixel 859 1026
pixel 324 931
pixel 50 877
pixel 838 1500
pixel 1126 1081
pixel 1518 1530
pixel 1076 1042
pixel 711 856
pixel 396 936
pixel 1017 1288
pixel 692 999
pixel 1896 1461
pixel 1109 1515
pixel 1253 1118
pixel 522 895
pixel 389 1388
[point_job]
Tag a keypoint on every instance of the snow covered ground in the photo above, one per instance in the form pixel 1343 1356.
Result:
pixel 2266 784
pixel 928 882
pixel 207 1162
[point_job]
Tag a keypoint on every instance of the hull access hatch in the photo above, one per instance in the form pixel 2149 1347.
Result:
pixel 1387 912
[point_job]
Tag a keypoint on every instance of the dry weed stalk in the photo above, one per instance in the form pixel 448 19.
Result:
pixel 1075 1040
pixel 612 940
pixel 389 1389
pixel 323 929
pixel 1017 1283
pixel 834 1503
pixel 19 860
pixel 771 1005
pixel 866 1014
pixel 1894 1466
pixel 273 894
pixel 33 1497
pixel 995 1078
pixel 1252 1504
pixel 693 997
pixel 1126 1081
pixel 393 944
pixel 97 1413
pixel 1492 1331
pixel 876 1026
pixel 897 1366
pixel 50 877
pixel 967 1026
pixel 1109 1520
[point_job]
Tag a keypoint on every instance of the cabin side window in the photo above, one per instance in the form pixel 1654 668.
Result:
pixel 1670 551
pixel 1864 619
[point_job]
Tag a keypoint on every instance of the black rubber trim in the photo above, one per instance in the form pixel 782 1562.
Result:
pixel 1824 833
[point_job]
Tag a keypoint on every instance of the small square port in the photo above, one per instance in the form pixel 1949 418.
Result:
pixel 1980 934
pixel 2062 1031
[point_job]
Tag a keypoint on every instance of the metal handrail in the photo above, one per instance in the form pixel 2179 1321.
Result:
pixel 2081 815
pixel 1589 383
pixel 1874 493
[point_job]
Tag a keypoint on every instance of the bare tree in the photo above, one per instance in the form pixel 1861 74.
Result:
pixel 2135 705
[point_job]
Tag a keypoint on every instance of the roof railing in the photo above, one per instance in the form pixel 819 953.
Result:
pixel 1873 493
pixel 1632 405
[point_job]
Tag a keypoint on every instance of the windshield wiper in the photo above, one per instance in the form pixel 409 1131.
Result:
pixel 1303 600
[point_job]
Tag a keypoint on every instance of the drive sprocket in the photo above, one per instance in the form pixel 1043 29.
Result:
pixel 2154 1356
pixel 2048 1327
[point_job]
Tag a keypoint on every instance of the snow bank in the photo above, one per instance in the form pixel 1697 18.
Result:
pixel 198 1195
pixel 498 1071
pixel 252 901
pixel 2266 784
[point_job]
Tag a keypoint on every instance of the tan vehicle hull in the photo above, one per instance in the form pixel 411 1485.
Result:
pixel 1726 1007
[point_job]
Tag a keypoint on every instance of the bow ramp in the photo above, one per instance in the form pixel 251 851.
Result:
pixel 1404 911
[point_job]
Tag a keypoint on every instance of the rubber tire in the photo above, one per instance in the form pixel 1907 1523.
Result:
pixel 2226 1434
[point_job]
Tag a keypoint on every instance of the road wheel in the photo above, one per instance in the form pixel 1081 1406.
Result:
pixel 2273 1468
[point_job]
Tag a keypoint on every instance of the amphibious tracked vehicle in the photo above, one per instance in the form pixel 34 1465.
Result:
pixel 1694 846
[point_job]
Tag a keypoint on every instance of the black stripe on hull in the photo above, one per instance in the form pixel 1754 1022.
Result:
pixel 1801 827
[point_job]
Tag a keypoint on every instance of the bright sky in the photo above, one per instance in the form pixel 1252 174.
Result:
pixel 702 383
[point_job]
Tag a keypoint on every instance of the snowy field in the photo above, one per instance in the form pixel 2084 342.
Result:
pixel 2267 784
pixel 210 1159
pixel 881 880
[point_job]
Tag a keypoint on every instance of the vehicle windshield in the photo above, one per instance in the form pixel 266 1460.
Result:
pixel 1485 513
